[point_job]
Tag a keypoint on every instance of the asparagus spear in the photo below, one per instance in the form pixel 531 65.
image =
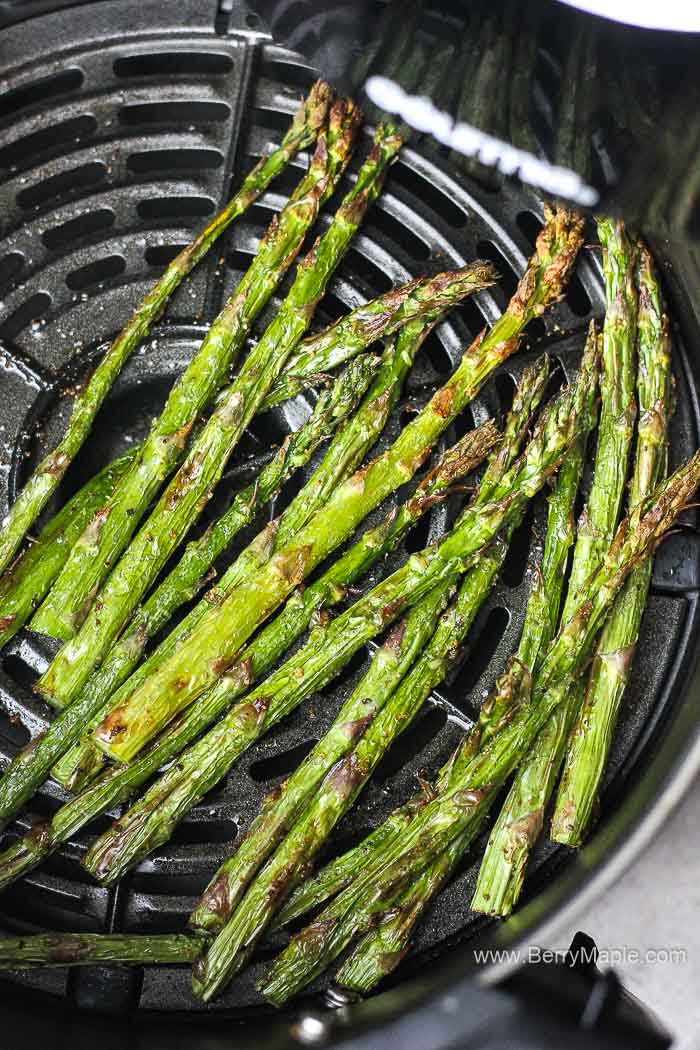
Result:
pixel 109 532
pixel 45 479
pixel 511 688
pixel 503 866
pixel 223 631
pixel 111 529
pixel 347 449
pixel 590 740
pixel 381 950
pixel 281 809
pixel 151 821
pixel 386 671
pixel 97 949
pixel 119 783
pixel 520 822
pixel 29 578
pixel 457 810
pixel 187 494
pixel 234 943
pixel 30 767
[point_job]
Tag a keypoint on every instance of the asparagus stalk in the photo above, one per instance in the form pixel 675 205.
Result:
pixel 386 671
pixel 590 740
pixel 381 950
pixel 234 943
pixel 151 821
pixel 30 767
pixel 281 809
pixel 382 316
pixel 97 949
pixel 503 867
pixel 106 536
pixel 188 492
pixel 520 823
pixel 29 578
pixel 119 783
pixel 511 688
pixel 346 451
pixel 457 810
pixel 45 479
pixel 223 631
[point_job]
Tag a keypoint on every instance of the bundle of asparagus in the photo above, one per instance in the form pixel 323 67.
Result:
pixel 213 686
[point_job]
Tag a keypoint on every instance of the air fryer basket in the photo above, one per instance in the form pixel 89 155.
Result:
pixel 122 125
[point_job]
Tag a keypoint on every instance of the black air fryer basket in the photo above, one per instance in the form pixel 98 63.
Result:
pixel 123 125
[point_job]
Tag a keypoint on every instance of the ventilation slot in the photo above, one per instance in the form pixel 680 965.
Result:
pixel 48 138
pixel 33 309
pixel 577 297
pixel 10 267
pixel 173 63
pixel 82 226
pixel 287 181
pixel 287 72
pixel 529 225
pixel 516 559
pixel 12 730
pixel 410 744
pixel 280 765
pixel 432 197
pixel 48 87
pixel 418 538
pixel 95 272
pixel 359 265
pixel 174 113
pixel 169 160
pixel 332 309
pixel 535 330
pixel 162 254
pixel 472 316
pixel 58 185
pixel 505 389
pixel 395 230
pixel 507 279
pixel 175 207
pixel 271 119
pixel 238 260
pixel 437 355
pixel 201 832
pixel 20 672
pixel 482 649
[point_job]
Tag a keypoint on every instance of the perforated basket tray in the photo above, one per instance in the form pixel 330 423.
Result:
pixel 122 126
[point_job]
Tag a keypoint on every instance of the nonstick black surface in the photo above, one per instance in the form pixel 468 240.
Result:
pixel 122 126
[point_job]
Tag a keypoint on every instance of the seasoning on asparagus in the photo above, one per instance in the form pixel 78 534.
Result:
pixel 457 810
pixel 232 946
pixel 224 630
pixel 188 492
pixel 29 768
pixel 119 783
pixel 100 546
pixel 346 451
pixel 47 476
pixel 388 667
pixel 97 949
pixel 151 821
pixel 28 579
pixel 519 825
pixel 591 737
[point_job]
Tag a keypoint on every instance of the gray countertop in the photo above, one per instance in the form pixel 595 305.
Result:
pixel 653 908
